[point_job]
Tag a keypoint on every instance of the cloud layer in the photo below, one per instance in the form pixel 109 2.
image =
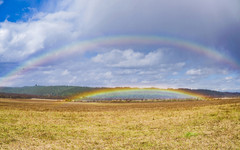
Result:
pixel 80 19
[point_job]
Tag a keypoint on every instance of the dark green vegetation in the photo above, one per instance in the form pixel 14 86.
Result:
pixel 42 124
pixel 62 92
pixel 46 90
pixel 42 91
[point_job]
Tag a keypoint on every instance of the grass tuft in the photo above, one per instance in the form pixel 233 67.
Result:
pixel 190 134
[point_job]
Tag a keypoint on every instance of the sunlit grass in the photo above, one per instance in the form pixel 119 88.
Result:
pixel 119 126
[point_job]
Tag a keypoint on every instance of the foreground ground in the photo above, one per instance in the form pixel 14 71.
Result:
pixel 33 124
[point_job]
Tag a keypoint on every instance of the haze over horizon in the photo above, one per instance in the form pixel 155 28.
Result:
pixel 103 43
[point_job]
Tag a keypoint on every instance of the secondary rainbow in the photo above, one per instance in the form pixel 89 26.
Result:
pixel 105 91
pixel 111 41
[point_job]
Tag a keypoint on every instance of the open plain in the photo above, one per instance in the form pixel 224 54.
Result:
pixel 44 124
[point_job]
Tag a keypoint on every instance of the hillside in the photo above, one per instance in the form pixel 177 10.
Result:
pixel 211 93
pixel 49 91
pixel 68 91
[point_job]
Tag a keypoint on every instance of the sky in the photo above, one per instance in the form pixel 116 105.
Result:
pixel 116 43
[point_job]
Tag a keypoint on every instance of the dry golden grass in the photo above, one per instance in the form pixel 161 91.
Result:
pixel 28 124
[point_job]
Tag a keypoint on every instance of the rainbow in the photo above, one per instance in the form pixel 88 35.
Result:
pixel 105 91
pixel 111 41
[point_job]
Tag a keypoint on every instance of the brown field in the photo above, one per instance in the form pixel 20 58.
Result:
pixel 43 124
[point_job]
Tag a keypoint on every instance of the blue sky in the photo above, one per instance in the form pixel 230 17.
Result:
pixel 38 28
pixel 19 10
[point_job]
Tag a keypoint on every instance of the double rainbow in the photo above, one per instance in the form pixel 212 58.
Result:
pixel 94 44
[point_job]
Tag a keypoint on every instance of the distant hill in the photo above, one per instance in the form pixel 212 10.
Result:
pixel 213 94
pixel 62 92
pixel 51 91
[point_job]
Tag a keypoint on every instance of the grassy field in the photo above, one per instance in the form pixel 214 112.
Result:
pixel 33 124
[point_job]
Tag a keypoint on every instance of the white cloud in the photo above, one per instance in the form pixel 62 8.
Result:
pixel 1 2
pixel 228 78
pixel 127 71
pixel 45 32
pixel 128 58
pixel 194 72
pixel 74 78
pixel 146 72
pixel 48 72
pixel 108 74
pixel 65 72
pixel 180 64
pixel 175 73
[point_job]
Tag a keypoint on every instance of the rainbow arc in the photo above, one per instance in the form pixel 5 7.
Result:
pixel 93 44
pixel 107 91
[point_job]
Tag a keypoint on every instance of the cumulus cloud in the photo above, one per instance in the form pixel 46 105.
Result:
pixel 128 58
pixel 194 72
pixel 175 73
pixel 229 78
pixel 108 74
pixel 180 64
pixel 65 72
pixel 26 38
